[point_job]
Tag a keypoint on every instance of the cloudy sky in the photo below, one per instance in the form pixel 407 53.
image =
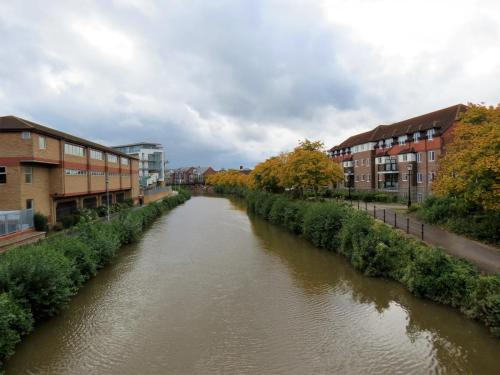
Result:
pixel 232 82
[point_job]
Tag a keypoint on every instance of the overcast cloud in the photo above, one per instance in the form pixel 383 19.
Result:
pixel 232 82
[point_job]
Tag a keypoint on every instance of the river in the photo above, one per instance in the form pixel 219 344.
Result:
pixel 210 290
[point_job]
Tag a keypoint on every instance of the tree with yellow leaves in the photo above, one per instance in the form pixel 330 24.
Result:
pixel 268 175
pixel 470 168
pixel 308 167
pixel 230 177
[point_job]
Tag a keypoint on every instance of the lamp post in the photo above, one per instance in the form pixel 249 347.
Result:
pixel 409 167
pixel 107 195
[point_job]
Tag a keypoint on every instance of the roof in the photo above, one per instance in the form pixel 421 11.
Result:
pixel 156 145
pixel 443 119
pixel 14 124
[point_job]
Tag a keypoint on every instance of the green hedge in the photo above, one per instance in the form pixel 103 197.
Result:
pixel 462 218
pixel 377 250
pixel 37 280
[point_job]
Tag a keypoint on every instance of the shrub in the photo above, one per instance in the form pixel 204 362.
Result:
pixel 14 322
pixel 102 238
pixel 322 223
pixel 277 212
pixel 484 302
pixel 439 277
pixel 293 217
pixel 41 222
pixel 38 278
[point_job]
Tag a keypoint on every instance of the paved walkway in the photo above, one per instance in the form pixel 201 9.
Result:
pixel 485 257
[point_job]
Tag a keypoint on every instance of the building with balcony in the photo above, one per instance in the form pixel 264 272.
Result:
pixel 151 162
pixel 55 173
pixel 399 157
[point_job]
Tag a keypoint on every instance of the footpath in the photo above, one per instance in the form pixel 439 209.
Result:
pixel 485 257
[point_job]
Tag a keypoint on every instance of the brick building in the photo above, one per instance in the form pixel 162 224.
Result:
pixel 55 173
pixel 389 157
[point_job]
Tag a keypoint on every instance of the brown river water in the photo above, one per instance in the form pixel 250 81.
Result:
pixel 210 290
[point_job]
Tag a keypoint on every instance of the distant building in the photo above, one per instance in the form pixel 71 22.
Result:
pixel 45 170
pixel 190 175
pixel 151 162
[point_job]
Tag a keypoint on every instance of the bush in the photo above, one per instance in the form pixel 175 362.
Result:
pixel 322 223
pixel 14 322
pixel 484 302
pixel 277 212
pixel 41 222
pixel 293 217
pixel 38 278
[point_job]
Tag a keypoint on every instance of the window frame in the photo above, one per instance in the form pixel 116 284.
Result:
pixel 4 173
pixel 26 174
pixel 433 153
pixel 25 135
pixel 42 142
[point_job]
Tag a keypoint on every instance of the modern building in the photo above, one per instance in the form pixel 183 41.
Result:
pixel 55 173
pixel 151 162
pixel 399 158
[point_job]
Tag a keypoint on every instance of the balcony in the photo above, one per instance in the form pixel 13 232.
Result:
pixel 349 171
pixel 387 168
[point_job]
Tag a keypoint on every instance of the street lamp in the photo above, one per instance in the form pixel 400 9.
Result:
pixel 409 167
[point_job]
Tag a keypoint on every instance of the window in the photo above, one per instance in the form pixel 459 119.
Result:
pixel 28 175
pixel 367 161
pixel 42 143
pixel 112 158
pixel 416 137
pixel 3 175
pixel 402 140
pixel 388 142
pixel 362 162
pixel 405 157
pixel 26 135
pixel 368 178
pixel 381 143
pixel 379 160
pixel 74 150
pixel 75 172
pixel 419 157
pixel 430 134
pixel 362 177
pixel 356 178
pixel 431 156
pixel 124 161
pixel 419 177
pixel 356 163
pixel 420 198
pixel 405 177
pixel 431 177
pixel 29 204
pixel 96 155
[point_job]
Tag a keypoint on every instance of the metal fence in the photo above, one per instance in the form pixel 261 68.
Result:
pixel 15 221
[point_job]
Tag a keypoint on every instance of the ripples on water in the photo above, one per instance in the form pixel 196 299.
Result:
pixel 211 291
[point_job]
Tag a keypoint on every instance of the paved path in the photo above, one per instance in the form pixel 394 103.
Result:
pixel 485 257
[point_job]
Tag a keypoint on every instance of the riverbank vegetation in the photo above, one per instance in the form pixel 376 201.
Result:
pixel 37 281
pixel 467 188
pixel 272 191
pixel 380 251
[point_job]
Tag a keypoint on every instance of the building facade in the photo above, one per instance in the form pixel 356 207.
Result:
pixel 55 173
pixel 151 162
pixel 190 175
pixel 400 158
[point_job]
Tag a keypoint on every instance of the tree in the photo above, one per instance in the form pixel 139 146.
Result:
pixel 268 175
pixel 308 167
pixel 470 169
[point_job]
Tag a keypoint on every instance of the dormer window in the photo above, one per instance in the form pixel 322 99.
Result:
pixel 430 134
pixel 402 140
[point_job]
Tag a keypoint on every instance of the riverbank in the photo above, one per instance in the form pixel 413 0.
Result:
pixel 37 281
pixel 377 250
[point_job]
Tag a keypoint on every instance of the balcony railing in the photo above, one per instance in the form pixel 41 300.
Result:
pixel 15 221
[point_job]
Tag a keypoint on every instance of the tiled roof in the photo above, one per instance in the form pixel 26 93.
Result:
pixel 13 123
pixel 442 119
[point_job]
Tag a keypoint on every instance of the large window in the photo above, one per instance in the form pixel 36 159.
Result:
pixel 28 175
pixel 42 143
pixel 75 172
pixel 74 150
pixel 3 175
pixel 124 161
pixel 97 155
pixel 112 158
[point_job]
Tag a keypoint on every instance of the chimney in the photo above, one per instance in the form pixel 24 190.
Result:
pixel 241 167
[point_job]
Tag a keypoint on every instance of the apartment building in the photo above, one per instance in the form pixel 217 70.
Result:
pixel 151 162
pixel 55 173
pixel 397 158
